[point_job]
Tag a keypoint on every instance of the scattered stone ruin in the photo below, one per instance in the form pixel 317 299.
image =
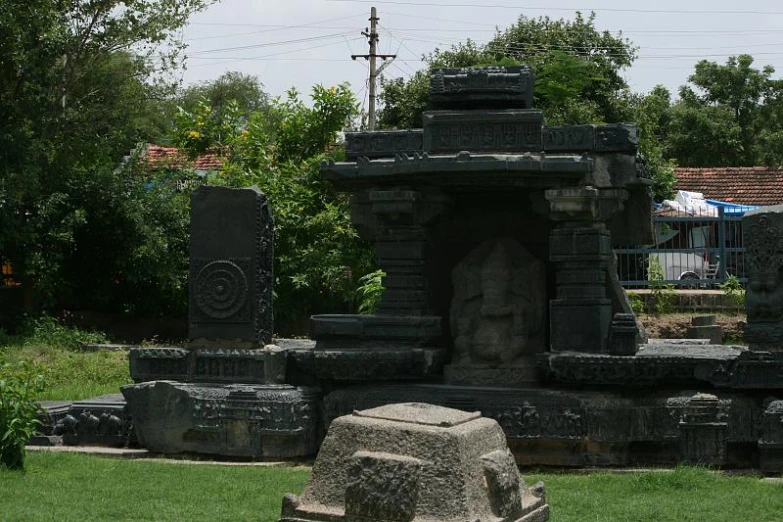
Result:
pixel 415 462
pixel 495 232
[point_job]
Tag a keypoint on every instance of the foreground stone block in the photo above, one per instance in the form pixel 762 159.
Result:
pixel 415 462
pixel 271 421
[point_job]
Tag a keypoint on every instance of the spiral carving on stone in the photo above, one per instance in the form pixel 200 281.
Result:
pixel 221 289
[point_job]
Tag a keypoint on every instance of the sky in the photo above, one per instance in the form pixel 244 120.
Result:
pixel 300 43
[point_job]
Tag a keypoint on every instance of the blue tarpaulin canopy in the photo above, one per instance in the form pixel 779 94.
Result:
pixel 731 209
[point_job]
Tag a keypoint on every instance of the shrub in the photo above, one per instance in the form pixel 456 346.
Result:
pixel 18 412
pixel 48 331
pixel 662 293
pixel 734 290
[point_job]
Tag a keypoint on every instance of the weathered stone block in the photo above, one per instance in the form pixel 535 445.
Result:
pixel 382 144
pixel 488 131
pixel 231 258
pixel 103 421
pixel 588 324
pixel 400 462
pixel 275 421
pixel 509 87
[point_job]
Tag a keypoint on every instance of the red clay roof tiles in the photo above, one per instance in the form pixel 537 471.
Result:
pixel 742 185
pixel 158 157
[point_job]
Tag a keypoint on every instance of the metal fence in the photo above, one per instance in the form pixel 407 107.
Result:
pixel 689 252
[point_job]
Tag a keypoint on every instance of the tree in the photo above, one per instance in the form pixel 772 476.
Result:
pixel 243 90
pixel 79 83
pixel 571 59
pixel 725 114
pixel 319 257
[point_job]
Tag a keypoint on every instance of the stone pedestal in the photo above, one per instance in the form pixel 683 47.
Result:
pixel 703 431
pixel 704 327
pixel 403 462
pixel 771 441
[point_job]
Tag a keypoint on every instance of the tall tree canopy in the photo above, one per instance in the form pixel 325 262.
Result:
pixel 577 68
pixel 79 82
pixel 723 112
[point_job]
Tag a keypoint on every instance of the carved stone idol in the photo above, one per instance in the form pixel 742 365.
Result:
pixel 763 231
pixel 497 314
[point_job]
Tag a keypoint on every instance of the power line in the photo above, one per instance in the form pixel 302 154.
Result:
pixel 569 9
pixel 268 44
pixel 266 56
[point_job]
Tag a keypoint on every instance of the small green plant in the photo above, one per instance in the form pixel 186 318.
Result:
pixel 370 291
pixel 18 412
pixel 663 295
pixel 637 303
pixel 734 291
pixel 48 331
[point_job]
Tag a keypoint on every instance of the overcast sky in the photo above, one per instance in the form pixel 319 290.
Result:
pixel 299 43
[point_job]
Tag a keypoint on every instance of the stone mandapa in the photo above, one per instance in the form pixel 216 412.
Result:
pixel 400 462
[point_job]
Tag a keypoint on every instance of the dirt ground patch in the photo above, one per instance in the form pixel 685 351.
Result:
pixel 675 326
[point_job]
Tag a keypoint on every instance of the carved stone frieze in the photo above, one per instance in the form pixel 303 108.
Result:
pixel 277 421
pixel 501 131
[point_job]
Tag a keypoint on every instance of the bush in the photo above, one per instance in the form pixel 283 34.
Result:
pixel 48 331
pixel 18 412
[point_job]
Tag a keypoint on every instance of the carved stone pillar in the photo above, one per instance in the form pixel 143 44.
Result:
pixel 580 246
pixel 402 239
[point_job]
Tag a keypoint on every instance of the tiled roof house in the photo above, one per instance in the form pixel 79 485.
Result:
pixel 158 157
pixel 760 186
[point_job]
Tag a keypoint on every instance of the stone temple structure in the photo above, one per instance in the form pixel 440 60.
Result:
pixel 495 231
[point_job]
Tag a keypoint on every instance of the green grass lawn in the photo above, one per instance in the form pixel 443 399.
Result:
pixel 81 487
pixel 69 374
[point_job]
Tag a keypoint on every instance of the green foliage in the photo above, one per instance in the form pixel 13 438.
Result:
pixel 637 304
pixel 243 91
pixel 370 291
pixel 80 84
pixel 662 293
pixel 319 256
pixel 728 115
pixel 18 412
pixel 734 290
pixel 577 71
pixel 48 331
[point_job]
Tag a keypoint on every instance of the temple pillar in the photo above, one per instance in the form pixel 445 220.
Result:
pixel 580 315
pixel 402 244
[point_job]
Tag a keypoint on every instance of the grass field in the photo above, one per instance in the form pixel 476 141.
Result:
pixel 69 374
pixel 85 488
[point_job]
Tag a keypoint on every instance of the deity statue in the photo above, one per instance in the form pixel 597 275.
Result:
pixel 763 231
pixel 499 305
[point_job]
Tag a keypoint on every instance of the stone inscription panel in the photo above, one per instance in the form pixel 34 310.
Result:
pixel 231 258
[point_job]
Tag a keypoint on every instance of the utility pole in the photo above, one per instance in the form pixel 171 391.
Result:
pixel 372 36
